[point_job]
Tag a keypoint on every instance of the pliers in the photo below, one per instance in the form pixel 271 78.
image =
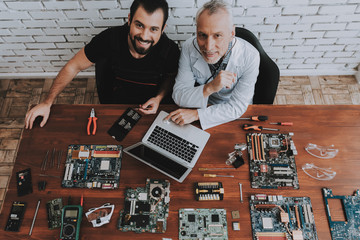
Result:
pixel 93 119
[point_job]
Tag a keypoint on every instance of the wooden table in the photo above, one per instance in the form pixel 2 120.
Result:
pixel 323 125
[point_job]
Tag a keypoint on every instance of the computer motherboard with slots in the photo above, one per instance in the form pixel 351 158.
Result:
pixel 92 166
pixel 146 209
pixel 272 161
pixel 207 224
pixel 282 218
pixel 350 227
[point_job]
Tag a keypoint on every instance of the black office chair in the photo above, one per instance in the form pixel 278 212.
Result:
pixel 269 74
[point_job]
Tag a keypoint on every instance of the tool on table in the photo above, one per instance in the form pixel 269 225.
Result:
pixel 45 175
pixel 215 175
pixel 52 160
pixel 36 212
pixel 282 123
pixel 71 221
pixel 241 195
pixel 211 169
pixel 255 118
pixel 44 162
pixel 93 119
pixel 257 128
pixel 59 159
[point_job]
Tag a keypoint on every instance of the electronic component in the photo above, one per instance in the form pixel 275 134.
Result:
pixel 235 214
pixel 71 220
pixel 236 226
pixel 100 215
pixel 146 209
pixel 15 217
pixel 202 224
pixel 24 182
pixel 207 191
pixel 93 166
pixel 282 218
pixel 124 124
pixel 272 161
pixel 53 209
pixel 350 227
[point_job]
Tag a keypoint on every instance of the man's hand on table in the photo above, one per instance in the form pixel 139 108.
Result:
pixel 183 116
pixel 41 109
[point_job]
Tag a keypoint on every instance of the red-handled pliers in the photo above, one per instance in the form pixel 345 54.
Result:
pixel 92 118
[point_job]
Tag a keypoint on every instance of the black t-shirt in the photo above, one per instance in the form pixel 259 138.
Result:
pixel 120 77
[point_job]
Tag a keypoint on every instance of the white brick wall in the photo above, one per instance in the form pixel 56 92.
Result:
pixel 40 36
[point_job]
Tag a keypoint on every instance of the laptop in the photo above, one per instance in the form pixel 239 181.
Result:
pixel 169 148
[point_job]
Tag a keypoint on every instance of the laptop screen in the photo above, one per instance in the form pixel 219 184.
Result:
pixel 159 161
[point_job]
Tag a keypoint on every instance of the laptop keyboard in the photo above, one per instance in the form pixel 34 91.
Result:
pixel 173 143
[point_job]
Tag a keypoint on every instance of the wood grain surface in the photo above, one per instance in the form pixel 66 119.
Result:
pixel 322 125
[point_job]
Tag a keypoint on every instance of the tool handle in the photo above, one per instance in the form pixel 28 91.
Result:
pixel 209 175
pixel 286 123
pixel 88 126
pixel 252 127
pixel 203 169
pixel 259 118
pixel 95 126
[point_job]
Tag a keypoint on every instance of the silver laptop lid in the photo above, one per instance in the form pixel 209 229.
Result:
pixel 192 137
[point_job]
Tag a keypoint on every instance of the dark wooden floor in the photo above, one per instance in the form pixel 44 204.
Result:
pixel 17 95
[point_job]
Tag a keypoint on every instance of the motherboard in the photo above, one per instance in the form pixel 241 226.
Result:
pixel 272 161
pixel 207 224
pixel 92 166
pixel 350 227
pixel 146 209
pixel 282 218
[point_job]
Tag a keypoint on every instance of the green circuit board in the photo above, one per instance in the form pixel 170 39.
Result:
pixel 146 209
pixel 202 224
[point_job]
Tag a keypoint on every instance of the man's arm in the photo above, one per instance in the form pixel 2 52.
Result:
pixel 78 63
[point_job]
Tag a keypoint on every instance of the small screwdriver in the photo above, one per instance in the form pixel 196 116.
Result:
pixel 211 169
pixel 215 175
pixel 255 118
pixel 282 123
pixel 257 128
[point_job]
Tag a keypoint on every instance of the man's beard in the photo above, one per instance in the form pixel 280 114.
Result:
pixel 140 50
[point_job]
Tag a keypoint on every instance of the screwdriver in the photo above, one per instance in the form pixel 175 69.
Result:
pixel 215 175
pixel 257 128
pixel 255 118
pixel 283 123
pixel 211 169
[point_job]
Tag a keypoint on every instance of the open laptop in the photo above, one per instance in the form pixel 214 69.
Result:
pixel 170 148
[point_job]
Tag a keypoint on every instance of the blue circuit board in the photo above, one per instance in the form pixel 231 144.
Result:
pixel 92 166
pixel 282 218
pixel 350 228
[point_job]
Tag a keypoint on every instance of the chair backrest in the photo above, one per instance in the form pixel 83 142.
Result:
pixel 269 74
